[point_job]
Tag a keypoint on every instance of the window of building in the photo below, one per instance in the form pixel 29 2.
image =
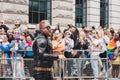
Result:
pixel 104 13
pixel 81 13
pixel 39 10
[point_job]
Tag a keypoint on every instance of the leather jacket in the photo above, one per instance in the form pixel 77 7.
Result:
pixel 43 54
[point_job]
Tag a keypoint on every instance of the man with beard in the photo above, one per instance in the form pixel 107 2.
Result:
pixel 43 54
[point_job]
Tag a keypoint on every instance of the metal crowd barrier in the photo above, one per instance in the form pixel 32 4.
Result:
pixel 72 68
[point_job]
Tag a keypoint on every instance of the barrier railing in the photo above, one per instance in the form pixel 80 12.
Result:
pixel 72 68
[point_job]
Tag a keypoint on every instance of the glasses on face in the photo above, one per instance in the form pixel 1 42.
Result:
pixel 48 27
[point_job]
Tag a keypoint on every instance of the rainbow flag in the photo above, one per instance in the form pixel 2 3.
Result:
pixel 111 46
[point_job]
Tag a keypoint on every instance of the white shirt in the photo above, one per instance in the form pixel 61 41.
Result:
pixel 94 50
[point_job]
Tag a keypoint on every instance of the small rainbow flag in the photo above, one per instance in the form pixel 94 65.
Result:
pixel 110 50
pixel 111 46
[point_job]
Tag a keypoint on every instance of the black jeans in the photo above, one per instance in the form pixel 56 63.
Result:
pixel 43 75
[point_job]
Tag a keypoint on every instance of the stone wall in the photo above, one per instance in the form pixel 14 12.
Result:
pixel 114 13
pixel 93 13
pixel 12 10
pixel 63 12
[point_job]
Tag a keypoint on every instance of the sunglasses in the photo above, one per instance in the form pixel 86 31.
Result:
pixel 48 27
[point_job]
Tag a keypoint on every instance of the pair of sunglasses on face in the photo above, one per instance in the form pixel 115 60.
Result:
pixel 48 27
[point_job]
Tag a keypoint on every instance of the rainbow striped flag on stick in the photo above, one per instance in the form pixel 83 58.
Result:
pixel 110 49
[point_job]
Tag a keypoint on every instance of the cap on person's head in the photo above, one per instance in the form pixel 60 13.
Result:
pixel 43 24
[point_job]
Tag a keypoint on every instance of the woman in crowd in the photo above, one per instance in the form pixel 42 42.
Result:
pixel 95 48
pixel 5 47
pixel 115 60
pixel 28 47
pixel 58 46
pixel 28 54
pixel 83 44
pixel 71 64
pixel 104 40
pixel 17 57
pixel 57 28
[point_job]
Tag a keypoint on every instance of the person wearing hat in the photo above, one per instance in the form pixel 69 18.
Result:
pixel 17 27
pixel 43 54
pixel 69 44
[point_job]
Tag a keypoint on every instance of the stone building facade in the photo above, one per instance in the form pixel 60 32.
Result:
pixel 13 10
pixel 63 12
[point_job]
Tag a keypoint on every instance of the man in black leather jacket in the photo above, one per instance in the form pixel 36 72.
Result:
pixel 43 57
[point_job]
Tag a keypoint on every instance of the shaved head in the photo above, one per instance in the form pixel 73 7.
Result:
pixel 43 24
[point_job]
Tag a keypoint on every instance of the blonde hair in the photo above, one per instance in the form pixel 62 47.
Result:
pixel 106 32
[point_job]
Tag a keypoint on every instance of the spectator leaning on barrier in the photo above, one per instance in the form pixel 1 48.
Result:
pixel 28 47
pixel 28 53
pixel 115 61
pixel 71 64
pixel 17 56
pixel 58 46
pixel 95 48
pixel 69 44
pixel 5 47
pixel 104 40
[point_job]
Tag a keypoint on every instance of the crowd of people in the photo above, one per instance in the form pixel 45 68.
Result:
pixel 101 45
pixel 13 42
pixel 69 42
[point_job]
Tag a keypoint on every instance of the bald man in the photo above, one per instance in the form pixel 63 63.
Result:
pixel 43 54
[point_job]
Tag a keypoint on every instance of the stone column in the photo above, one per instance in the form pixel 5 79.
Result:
pixel 63 12
pixel 12 10
pixel 114 13
pixel 93 13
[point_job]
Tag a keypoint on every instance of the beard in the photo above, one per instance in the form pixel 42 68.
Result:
pixel 46 32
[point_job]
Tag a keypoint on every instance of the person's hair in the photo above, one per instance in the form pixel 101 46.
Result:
pixel 30 36
pixel 59 28
pixel 43 24
pixel 83 27
pixel 69 25
pixel 93 27
pixel 106 32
